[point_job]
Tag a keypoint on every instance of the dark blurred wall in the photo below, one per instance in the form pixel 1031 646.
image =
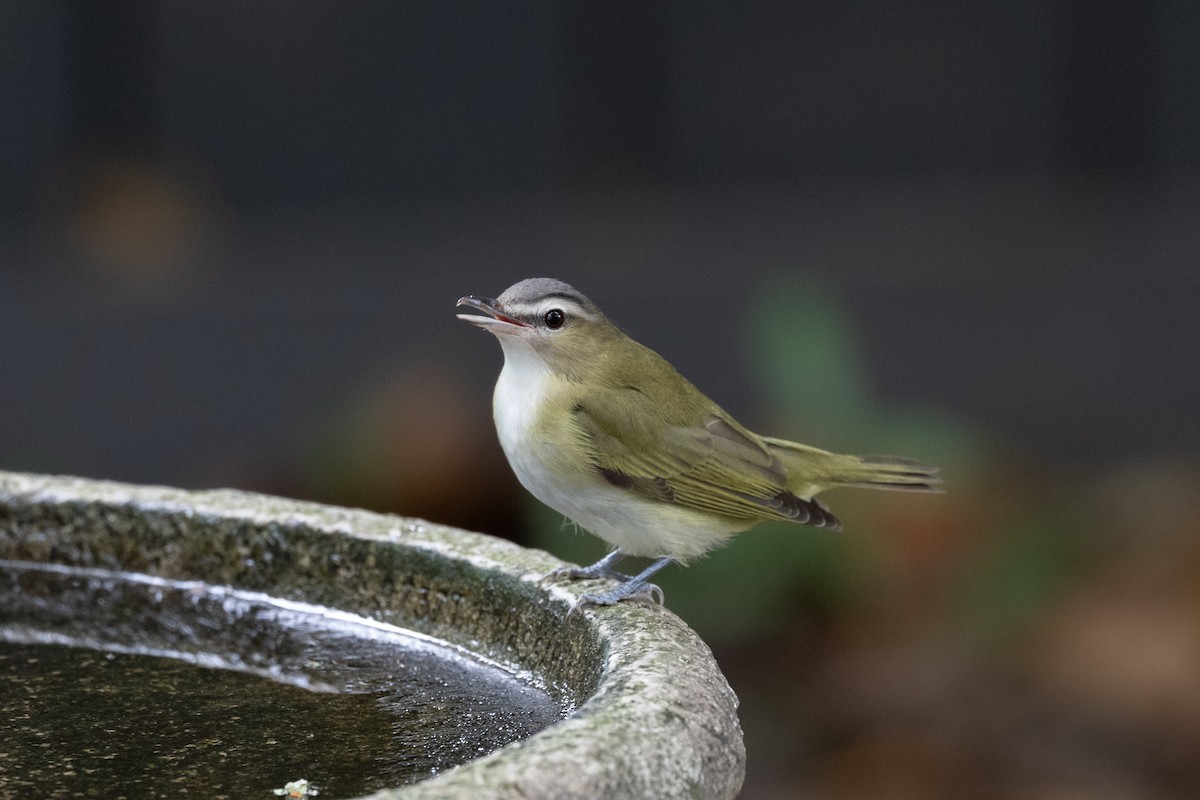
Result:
pixel 222 221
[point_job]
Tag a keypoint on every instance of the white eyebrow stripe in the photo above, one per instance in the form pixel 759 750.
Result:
pixel 570 307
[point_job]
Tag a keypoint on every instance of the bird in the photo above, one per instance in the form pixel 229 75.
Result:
pixel 608 433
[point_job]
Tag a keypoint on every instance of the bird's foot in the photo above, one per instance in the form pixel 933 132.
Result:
pixel 601 569
pixel 638 588
pixel 635 590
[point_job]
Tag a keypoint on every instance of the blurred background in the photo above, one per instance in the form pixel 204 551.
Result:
pixel 232 235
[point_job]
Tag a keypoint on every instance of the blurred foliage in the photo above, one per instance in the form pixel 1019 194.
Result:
pixel 809 359
pixel 1027 565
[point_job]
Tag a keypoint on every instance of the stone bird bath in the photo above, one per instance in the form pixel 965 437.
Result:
pixel 433 648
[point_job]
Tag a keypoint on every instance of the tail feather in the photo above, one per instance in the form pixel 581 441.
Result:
pixel 812 470
pixel 889 472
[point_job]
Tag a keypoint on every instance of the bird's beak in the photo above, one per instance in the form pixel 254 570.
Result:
pixel 496 321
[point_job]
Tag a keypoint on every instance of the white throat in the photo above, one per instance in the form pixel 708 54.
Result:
pixel 520 390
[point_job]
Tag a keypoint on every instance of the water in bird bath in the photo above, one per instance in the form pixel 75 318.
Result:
pixel 119 684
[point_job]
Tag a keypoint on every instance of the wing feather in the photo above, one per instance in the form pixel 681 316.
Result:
pixel 717 467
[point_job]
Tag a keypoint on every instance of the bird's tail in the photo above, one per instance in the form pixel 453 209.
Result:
pixel 812 470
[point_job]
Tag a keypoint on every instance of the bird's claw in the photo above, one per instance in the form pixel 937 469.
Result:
pixel 648 593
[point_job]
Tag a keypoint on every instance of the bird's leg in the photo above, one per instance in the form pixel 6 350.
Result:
pixel 601 569
pixel 636 588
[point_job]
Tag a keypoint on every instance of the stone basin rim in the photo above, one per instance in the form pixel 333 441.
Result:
pixel 660 719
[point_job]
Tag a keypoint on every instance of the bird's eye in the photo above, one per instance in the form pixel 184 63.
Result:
pixel 554 318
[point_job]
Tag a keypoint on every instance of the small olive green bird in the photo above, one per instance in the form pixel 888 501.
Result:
pixel 606 432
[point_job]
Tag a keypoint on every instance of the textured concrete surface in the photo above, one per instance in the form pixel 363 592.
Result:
pixel 653 717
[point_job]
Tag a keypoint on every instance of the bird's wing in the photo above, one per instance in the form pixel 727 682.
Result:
pixel 715 466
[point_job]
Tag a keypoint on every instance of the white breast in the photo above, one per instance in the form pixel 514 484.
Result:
pixel 636 525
